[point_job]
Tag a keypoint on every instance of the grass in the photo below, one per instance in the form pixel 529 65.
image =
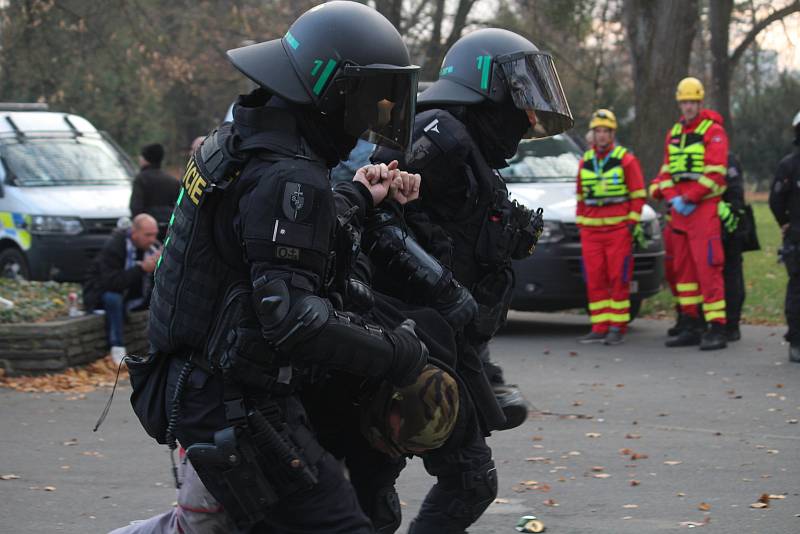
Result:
pixel 765 278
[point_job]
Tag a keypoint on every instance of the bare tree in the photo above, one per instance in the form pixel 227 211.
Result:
pixel 660 36
pixel 723 64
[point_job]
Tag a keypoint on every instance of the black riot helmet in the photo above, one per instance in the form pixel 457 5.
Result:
pixel 341 58
pixel 497 65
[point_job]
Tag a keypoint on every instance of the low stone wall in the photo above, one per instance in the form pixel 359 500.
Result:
pixel 30 348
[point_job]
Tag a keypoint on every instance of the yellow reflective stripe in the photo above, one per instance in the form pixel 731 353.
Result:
pixel 704 126
pixel 579 197
pixel 686 301
pixel 635 216
pixel 710 316
pixel 652 189
pixel 713 306
pixel 722 169
pixel 665 184
pixel 589 154
pixel 611 318
pixel 711 184
pixel 599 304
pixel 600 221
pixel 665 168
pixel 677 129
pixel 689 286
pixel 639 193
pixel 620 304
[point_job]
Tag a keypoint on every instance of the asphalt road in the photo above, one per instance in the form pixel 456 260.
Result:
pixel 631 439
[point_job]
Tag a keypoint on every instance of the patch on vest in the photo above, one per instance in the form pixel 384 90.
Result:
pixel 287 253
pixel 298 200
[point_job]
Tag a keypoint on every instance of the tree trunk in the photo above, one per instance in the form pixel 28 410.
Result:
pixel 660 36
pixel 720 87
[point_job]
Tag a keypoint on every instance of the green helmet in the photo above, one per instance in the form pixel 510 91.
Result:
pixel 412 419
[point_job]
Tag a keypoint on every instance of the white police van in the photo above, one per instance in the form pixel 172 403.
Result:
pixel 63 188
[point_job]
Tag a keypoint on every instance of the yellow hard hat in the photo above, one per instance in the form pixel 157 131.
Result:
pixel 690 89
pixel 603 118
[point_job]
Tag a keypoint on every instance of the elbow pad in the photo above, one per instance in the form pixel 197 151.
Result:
pixel 402 260
pixel 306 329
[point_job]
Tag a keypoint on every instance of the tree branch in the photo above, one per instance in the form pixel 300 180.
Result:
pixel 759 27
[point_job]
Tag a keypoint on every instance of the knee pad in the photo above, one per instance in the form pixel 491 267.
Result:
pixel 460 500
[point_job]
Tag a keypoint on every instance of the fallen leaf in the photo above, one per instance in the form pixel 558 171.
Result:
pixel 620 385
pixel 537 438
pixel 630 506
pixel 501 501
pixel 593 434
pixel 673 462
pixel 49 488
pixel 681 494
pixel 573 453
pixel 759 505
pixel 704 506
pixel 792 421
pixel 638 456
pixel 573 353
pixel 537 459
pixel 9 476
pixel 771 496
pixel 530 483
pixel 598 468
pixel 550 502
pixel 773 451
pixel 73 441
pixel 601 475
pixel 577 403
pixel 626 451
pixel 634 483
pixel 403 504
pixel 693 524
pixel 633 436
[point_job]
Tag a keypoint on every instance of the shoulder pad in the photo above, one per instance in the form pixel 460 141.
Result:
pixel 437 134
pixel 217 158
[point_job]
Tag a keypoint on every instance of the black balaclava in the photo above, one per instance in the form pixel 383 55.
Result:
pixel 497 129
pixel 324 133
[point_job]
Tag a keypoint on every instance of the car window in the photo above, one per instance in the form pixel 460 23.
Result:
pixel 554 158
pixel 84 160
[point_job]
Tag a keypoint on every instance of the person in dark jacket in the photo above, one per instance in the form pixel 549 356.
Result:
pixel 154 191
pixel 120 277
pixel 784 201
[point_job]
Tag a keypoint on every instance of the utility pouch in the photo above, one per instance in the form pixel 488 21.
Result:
pixel 242 488
pixel 510 231
pixel 236 343
pixel 493 295
pixel 748 233
pixel 148 375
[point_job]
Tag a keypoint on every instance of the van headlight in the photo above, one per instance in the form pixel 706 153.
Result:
pixel 552 233
pixel 55 225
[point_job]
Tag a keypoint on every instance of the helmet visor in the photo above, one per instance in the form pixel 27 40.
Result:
pixel 536 89
pixel 380 102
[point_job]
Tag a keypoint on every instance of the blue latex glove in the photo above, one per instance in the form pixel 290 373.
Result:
pixel 683 207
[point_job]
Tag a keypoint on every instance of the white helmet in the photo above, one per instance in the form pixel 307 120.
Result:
pixel 796 120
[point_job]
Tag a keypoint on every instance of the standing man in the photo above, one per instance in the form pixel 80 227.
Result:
pixel 154 191
pixel 242 311
pixel 494 89
pixel 692 181
pixel 731 214
pixel 610 199
pixel 784 201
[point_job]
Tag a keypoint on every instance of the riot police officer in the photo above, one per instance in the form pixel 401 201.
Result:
pixel 494 88
pixel 784 201
pixel 240 314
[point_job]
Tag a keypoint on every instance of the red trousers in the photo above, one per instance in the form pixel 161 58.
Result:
pixel 607 267
pixel 698 259
pixel 669 261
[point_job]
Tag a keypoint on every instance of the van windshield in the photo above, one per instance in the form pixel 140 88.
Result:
pixel 85 160
pixel 551 159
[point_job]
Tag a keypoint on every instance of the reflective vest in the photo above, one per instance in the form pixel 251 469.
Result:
pixel 687 152
pixel 603 182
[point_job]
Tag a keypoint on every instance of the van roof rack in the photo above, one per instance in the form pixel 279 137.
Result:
pixel 24 106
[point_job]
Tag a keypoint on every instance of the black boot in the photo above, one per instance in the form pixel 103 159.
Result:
pixel 794 353
pixel 689 335
pixel 679 325
pixel 714 338
pixel 732 332
pixel 515 407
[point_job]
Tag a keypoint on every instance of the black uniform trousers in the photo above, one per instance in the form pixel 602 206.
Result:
pixel 330 506
pixel 791 257
pixel 733 273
